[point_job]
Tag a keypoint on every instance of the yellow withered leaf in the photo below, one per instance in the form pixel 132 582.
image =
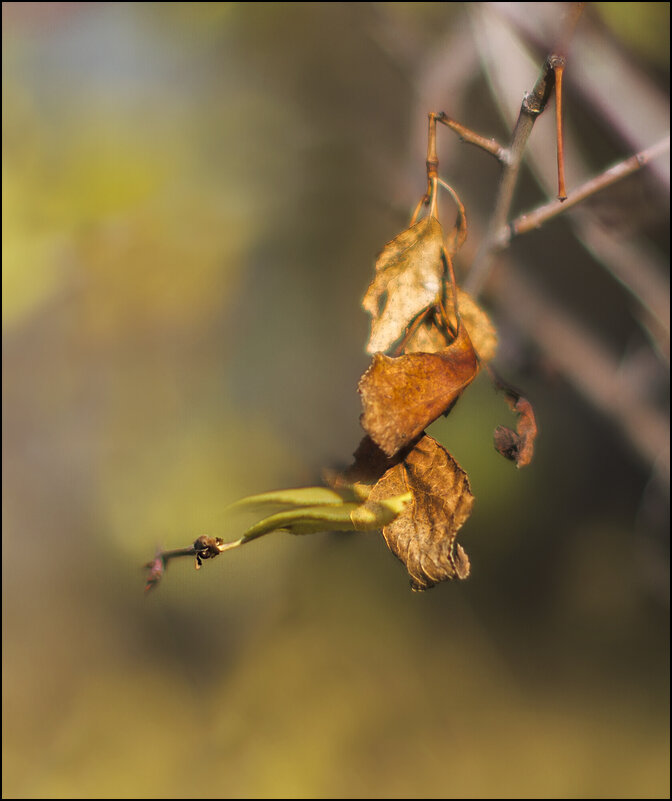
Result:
pixel 409 278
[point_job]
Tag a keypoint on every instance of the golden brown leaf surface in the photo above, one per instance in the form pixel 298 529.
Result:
pixel 402 395
pixel 423 535
pixel 409 278
pixel 482 332
pixel 428 337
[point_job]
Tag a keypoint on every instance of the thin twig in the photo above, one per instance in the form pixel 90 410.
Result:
pixel 534 219
pixel 562 190
pixel 628 259
pixel 203 548
pixel 471 137
pixel 532 106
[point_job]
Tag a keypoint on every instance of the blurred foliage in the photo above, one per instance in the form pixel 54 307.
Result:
pixel 193 197
pixel 644 29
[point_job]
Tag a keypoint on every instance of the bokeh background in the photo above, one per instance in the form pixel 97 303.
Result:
pixel 193 197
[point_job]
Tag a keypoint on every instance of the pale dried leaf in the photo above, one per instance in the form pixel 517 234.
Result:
pixel 409 278
pixel 482 332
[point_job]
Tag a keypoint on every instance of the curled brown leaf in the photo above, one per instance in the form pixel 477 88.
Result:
pixel 430 335
pixel 423 535
pixel 402 395
pixel 518 445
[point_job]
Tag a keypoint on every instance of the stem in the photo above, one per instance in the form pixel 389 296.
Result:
pixel 460 234
pixel 562 191
pixel 471 137
pixel 532 106
pixel 432 166
pixel 534 219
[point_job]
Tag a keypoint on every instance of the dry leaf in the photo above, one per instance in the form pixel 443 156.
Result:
pixel 401 396
pixel 518 446
pixel 423 535
pixel 370 464
pixel 409 279
pixel 428 337
pixel 482 332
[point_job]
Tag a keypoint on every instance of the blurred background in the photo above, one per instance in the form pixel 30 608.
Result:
pixel 193 198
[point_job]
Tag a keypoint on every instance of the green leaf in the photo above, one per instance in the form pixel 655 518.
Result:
pixel 342 517
pixel 303 496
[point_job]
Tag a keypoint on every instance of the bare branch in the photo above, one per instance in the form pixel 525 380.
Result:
pixel 562 191
pixel 534 219
pixel 471 137
pixel 629 260
pixel 203 548
pixel 532 106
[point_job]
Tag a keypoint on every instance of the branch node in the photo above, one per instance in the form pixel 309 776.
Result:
pixel 532 104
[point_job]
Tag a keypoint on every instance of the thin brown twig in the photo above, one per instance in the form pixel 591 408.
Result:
pixel 600 378
pixel 432 162
pixel 204 547
pixel 412 328
pixel 562 190
pixel 534 219
pixel 471 137
pixel 629 260
pixel 532 106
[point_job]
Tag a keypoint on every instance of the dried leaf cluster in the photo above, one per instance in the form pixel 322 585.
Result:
pixel 429 340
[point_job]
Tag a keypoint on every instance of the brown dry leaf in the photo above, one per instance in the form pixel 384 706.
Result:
pixel 457 237
pixel 482 332
pixel 401 396
pixel 429 338
pixel 423 535
pixel 369 465
pixel 518 446
pixel 409 278
pixel 426 338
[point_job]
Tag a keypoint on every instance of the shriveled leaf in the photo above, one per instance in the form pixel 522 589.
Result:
pixel 426 338
pixel 401 396
pixel 423 535
pixel 518 445
pixel 482 332
pixel 409 278
pixel 429 337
